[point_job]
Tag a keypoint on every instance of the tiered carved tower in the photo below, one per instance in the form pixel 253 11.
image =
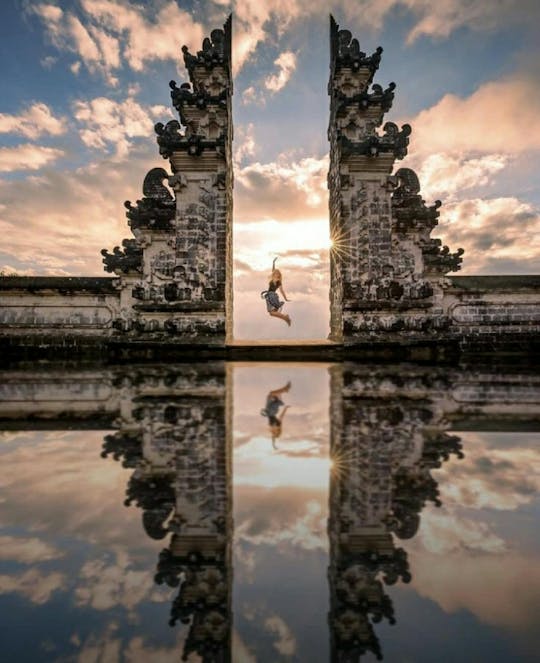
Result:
pixel 174 435
pixel 385 441
pixel 386 271
pixel 176 275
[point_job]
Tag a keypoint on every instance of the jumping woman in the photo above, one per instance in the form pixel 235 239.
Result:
pixel 273 303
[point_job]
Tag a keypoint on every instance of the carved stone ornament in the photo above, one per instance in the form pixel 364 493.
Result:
pixel 392 141
pixel 170 139
pixel 364 100
pixel 215 52
pixel 157 209
pixel 184 96
pixel 408 207
pixel 345 51
pixel 125 260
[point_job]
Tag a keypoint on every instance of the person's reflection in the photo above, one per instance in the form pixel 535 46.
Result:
pixel 271 410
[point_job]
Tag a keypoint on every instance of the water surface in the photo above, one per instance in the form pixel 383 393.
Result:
pixel 270 512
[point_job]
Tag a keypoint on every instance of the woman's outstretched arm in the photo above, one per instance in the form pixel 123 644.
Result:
pixel 283 293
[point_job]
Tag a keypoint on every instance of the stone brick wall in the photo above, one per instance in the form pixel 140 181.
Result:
pixel 66 311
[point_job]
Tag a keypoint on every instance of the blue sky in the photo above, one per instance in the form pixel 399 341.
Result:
pixel 84 81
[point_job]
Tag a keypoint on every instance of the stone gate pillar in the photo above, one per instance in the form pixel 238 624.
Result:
pixel 385 439
pixel 175 435
pixel 385 280
pixel 176 275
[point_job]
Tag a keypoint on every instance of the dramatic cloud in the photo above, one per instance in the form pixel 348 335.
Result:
pixel 284 190
pixel 27 157
pixel 70 216
pixel 446 175
pixel 500 117
pixel 33 122
pixel 104 586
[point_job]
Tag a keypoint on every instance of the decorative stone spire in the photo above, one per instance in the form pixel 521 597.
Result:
pixel 174 437
pixel 384 445
pixel 385 268
pixel 176 275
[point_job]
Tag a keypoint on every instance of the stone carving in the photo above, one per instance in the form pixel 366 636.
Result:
pixel 157 208
pixel 126 260
pixel 125 445
pixel 439 258
pixel 385 268
pixel 364 100
pixel 170 139
pixel 346 51
pixel 393 141
pixel 383 450
pixel 183 96
pixel 215 50
pixel 408 207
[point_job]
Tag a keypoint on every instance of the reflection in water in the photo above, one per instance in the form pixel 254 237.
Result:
pixel 175 438
pixel 388 434
pixel 271 410
pixel 383 450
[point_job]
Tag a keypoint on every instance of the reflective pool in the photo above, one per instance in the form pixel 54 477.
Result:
pixel 270 512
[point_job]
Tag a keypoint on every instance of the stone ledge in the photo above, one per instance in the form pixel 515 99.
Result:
pixel 495 283
pixel 195 307
pixel 98 285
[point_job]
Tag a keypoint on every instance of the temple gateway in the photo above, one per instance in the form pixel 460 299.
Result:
pixel 171 280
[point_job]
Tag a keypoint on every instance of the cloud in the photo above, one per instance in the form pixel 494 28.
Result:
pixel 283 190
pixel 244 143
pixel 445 533
pixel 286 642
pixel 48 61
pixel 286 63
pixel 282 516
pixel 27 157
pixel 105 123
pixel 482 584
pixel 33 585
pixel 104 586
pixel 33 122
pixel 27 550
pixel 500 117
pixel 493 231
pixel 503 479
pixel 107 34
pixel 446 175
pixel 53 240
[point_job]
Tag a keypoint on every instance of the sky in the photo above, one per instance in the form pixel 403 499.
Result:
pixel 84 82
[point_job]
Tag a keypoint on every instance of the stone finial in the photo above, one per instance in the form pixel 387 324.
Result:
pixel 157 209
pixel 215 52
pixel 408 207
pixel 125 260
pixel 345 52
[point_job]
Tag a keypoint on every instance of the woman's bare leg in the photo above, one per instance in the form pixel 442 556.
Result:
pixel 281 316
